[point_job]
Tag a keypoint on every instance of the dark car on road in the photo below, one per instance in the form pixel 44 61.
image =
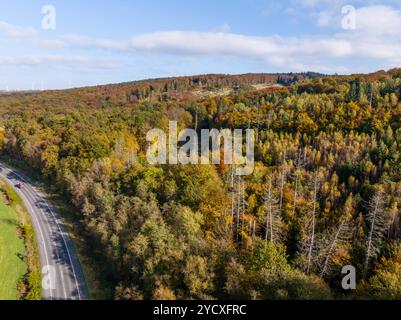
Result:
pixel 20 185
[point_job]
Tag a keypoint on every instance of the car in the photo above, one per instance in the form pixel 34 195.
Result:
pixel 20 185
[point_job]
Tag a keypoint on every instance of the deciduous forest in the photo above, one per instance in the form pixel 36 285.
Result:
pixel 325 192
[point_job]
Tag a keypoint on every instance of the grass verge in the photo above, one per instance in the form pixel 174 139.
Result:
pixel 20 276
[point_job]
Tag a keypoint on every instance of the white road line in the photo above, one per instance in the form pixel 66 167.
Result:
pixel 27 203
pixel 68 251
pixel 43 199
pixel 51 234
pixel 62 234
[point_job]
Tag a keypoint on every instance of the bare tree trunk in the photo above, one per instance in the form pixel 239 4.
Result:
pixel 370 238
pixel 269 218
pixel 238 207
pixel 295 191
pixel 232 198
pixel 282 179
pixel 271 225
pixel 332 246
pixel 312 239
pixel 299 163
pixel 269 214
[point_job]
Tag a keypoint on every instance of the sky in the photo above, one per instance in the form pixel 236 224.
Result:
pixel 61 44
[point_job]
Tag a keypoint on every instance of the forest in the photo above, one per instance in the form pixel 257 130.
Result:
pixel 325 192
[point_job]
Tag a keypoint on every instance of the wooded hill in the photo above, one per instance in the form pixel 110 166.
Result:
pixel 325 193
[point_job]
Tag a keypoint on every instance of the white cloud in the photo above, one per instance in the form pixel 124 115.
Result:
pixel 378 20
pixel 376 37
pixel 88 42
pixel 370 20
pixel 209 43
pixel 37 60
pixel 13 31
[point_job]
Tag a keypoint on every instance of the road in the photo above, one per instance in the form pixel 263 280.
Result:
pixel 62 277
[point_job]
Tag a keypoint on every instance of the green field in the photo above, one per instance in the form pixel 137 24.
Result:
pixel 12 266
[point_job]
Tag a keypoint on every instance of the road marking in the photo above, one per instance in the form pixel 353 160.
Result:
pixel 38 224
pixel 51 234
pixel 68 251
pixel 58 226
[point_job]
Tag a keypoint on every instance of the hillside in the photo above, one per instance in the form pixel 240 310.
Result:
pixel 180 89
pixel 325 192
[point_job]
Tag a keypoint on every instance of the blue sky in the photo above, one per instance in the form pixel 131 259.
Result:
pixel 97 42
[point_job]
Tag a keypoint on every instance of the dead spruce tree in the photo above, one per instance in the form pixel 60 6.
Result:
pixel 233 194
pixel 242 204
pixel 330 243
pixel 236 188
pixel 311 242
pixel 283 178
pixel 299 163
pixel 273 221
pixel 238 204
pixel 307 246
pixel 377 223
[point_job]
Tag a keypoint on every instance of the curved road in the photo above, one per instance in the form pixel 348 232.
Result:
pixel 62 277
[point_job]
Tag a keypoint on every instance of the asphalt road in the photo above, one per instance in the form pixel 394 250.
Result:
pixel 62 277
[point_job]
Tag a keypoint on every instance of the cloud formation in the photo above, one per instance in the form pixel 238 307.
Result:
pixel 38 60
pixel 17 32
pixel 376 37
